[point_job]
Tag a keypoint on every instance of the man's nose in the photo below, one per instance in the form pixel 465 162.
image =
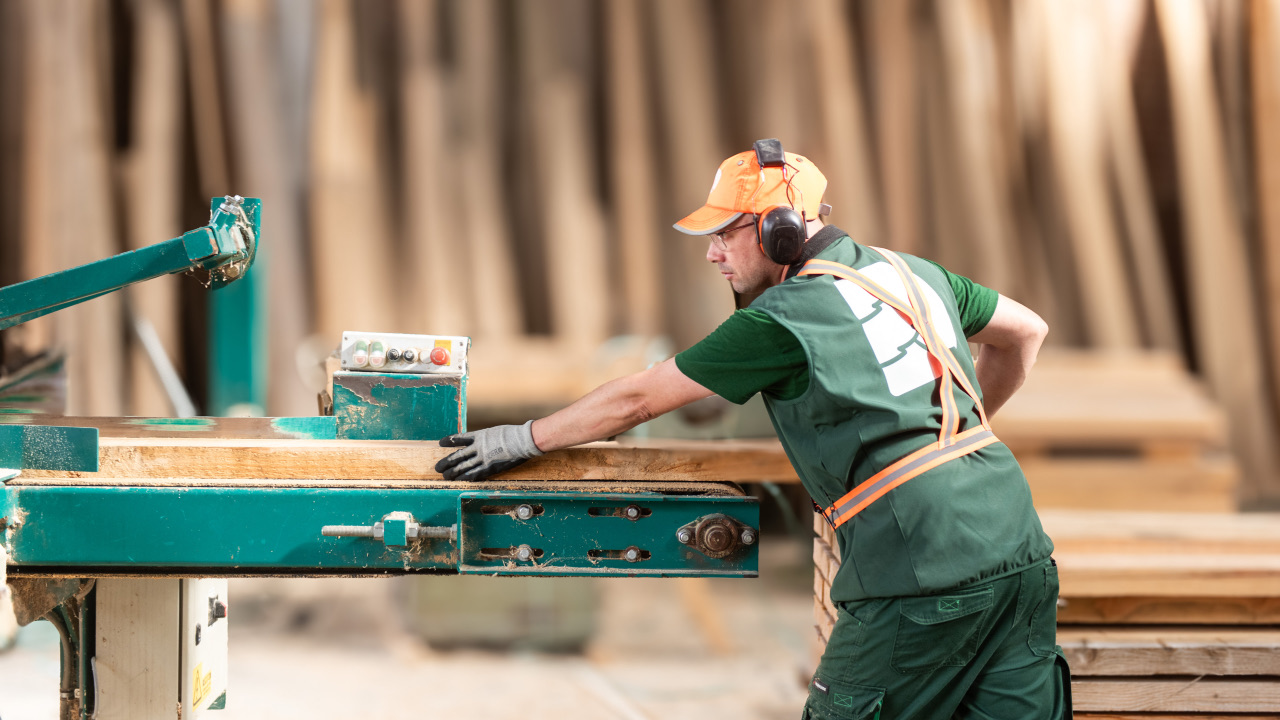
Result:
pixel 714 253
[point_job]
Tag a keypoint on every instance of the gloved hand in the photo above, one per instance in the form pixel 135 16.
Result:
pixel 487 452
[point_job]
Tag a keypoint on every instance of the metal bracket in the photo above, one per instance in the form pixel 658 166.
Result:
pixel 716 536
pixel 395 530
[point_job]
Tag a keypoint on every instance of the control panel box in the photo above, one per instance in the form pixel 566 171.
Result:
pixel 402 353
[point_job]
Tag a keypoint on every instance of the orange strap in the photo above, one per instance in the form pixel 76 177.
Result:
pixel 951 442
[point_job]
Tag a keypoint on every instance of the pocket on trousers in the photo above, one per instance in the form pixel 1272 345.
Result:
pixel 829 701
pixel 940 630
pixel 1042 635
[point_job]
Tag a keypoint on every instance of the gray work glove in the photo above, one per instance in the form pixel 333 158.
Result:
pixel 487 452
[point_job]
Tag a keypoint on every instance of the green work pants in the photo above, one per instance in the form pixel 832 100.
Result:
pixel 987 651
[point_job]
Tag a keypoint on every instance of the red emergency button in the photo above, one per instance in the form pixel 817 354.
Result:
pixel 440 356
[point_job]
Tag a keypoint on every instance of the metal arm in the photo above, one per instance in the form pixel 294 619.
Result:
pixel 224 249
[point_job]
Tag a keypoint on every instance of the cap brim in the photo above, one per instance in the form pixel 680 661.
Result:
pixel 706 220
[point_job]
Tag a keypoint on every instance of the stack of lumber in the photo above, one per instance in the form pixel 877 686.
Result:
pixel 484 168
pixel 1161 614
pixel 1119 431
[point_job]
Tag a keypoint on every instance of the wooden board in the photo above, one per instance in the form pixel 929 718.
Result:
pixel 160 459
pixel 133 615
pixel 1217 651
pixel 1168 484
pixel 1167 610
pixel 1191 694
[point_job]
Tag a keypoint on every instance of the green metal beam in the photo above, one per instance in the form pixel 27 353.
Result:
pixel 47 447
pixel 194 531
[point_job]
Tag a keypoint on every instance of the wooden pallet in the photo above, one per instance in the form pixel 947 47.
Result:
pixel 1119 430
pixel 1162 615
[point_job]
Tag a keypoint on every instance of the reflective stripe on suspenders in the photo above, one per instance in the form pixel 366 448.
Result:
pixel 951 443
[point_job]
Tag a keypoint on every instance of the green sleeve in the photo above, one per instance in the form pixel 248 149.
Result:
pixel 977 303
pixel 749 353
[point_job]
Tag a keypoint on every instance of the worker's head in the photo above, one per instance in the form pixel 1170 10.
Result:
pixel 762 205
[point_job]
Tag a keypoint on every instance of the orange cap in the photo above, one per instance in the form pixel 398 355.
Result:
pixel 740 187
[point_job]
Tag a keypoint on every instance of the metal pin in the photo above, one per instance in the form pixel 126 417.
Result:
pixel 748 536
pixel 684 536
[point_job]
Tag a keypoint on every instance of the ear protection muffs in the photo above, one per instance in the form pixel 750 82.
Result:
pixel 781 233
pixel 780 230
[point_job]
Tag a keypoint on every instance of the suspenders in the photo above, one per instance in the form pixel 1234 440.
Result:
pixel 951 442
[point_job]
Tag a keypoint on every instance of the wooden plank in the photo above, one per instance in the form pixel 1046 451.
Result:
pixel 1264 69
pixel 1169 610
pixel 69 209
pixel 1212 695
pixel 329 460
pixel 843 150
pixel 1167 716
pixel 895 104
pixel 1151 575
pixel 350 250
pixel 1120 23
pixel 265 163
pixel 1163 533
pixel 1188 484
pixel 138 627
pixel 479 102
pixel 1076 134
pixel 1223 315
pixel 151 177
pixel 633 168
pixel 698 299
pixel 1105 399
pixel 435 259
pixel 965 34
pixel 562 157
pixel 208 133
pixel 1107 651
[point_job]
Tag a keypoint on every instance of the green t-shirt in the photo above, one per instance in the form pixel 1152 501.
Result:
pixel 751 352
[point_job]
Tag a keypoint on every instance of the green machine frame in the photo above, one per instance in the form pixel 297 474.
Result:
pixel 56 537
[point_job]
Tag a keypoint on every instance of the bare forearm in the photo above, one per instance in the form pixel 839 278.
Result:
pixel 1009 345
pixel 1001 371
pixel 617 406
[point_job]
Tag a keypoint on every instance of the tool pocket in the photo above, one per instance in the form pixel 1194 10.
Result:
pixel 831 701
pixel 1042 634
pixel 940 630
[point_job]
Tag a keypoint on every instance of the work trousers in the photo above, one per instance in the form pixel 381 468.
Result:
pixel 987 651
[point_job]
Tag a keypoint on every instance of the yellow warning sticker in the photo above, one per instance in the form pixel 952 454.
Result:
pixel 446 344
pixel 201 685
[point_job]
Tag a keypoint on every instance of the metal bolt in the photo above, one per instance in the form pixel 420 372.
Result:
pixel 632 512
pixel 717 538
pixel 631 554
pixel 524 512
pixel 748 536
pixel 684 536
pixel 524 553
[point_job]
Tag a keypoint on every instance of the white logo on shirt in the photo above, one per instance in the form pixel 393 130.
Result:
pixel 898 348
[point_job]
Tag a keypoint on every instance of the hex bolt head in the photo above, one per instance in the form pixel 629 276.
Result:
pixel 524 553
pixel 524 512
pixel 717 538
pixel 632 512
pixel 684 536
pixel 748 536
pixel 631 554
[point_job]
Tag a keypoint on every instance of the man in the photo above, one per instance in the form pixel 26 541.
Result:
pixel 947 593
